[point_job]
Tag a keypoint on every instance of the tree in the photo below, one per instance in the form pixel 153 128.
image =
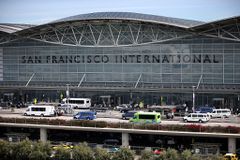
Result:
pixel 5 149
pixel 170 154
pixel 62 153
pixel 186 155
pixel 123 154
pixel 21 150
pixel 147 155
pixel 101 154
pixel 83 152
pixel 40 151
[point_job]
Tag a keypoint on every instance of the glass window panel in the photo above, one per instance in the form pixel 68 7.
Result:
pixel 156 68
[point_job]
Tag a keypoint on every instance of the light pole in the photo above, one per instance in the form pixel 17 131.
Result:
pixel 194 88
pixel 67 95
pixel 193 98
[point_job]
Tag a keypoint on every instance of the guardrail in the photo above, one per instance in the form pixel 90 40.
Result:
pixel 103 124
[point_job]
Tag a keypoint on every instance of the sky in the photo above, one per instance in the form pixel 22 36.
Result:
pixel 45 11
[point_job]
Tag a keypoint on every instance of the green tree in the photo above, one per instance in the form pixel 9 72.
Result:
pixel 5 149
pixel 123 154
pixel 83 152
pixel 40 151
pixel 62 153
pixel 169 154
pixel 101 154
pixel 147 155
pixel 21 150
pixel 186 155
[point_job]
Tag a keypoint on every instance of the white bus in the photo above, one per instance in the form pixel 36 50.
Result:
pixel 218 113
pixel 40 110
pixel 77 103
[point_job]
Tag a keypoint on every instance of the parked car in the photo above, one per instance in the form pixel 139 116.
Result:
pixel 230 156
pixel 197 117
pixel 128 115
pixel 122 107
pixel 157 151
pixel 87 115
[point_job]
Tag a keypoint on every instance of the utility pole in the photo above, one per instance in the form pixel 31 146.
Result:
pixel 194 88
pixel 67 98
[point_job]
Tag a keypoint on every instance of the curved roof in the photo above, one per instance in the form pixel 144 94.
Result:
pixel 11 28
pixel 132 16
pixel 217 23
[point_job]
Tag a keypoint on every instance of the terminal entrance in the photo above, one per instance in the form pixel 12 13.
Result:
pixel 114 98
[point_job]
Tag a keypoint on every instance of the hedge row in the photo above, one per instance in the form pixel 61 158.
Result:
pixel 102 124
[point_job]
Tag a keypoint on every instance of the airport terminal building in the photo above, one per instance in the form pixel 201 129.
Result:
pixel 122 57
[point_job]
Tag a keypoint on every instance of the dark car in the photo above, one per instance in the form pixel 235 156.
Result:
pixel 85 115
pixel 128 115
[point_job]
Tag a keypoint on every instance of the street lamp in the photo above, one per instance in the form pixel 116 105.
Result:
pixel 194 88
pixel 193 98
pixel 67 94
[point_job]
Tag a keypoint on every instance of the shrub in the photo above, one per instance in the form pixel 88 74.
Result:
pixel 32 121
pixel 5 149
pixel 101 124
pixel 62 153
pixel 113 125
pixel 146 155
pixel 83 152
pixel 172 154
pixel 126 125
pixel 194 128
pixel 186 155
pixel 233 129
pixel 21 150
pixel 123 154
pixel 40 150
pixel 151 126
pixel 101 154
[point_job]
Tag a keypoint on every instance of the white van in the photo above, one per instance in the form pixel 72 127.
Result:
pixel 218 113
pixel 197 117
pixel 40 110
pixel 77 103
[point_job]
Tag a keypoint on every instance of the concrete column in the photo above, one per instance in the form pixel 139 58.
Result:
pixel 232 145
pixel 43 134
pixel 125 140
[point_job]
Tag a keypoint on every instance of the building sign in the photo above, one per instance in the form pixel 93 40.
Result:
pixel 151 58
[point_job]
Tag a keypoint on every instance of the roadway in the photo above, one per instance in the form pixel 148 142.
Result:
pixel 115 117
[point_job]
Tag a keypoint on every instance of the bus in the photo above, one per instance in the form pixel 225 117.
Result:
pixel 146 117
pixel 40 110
pixel 77 103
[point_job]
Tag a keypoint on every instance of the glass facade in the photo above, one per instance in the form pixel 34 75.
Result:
pixel 218 63
pixel 126 58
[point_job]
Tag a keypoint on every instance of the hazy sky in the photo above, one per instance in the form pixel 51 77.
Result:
pixel 44 11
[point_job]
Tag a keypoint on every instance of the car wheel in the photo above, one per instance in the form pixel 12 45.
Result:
pixel 185 120
pixel 200 121
pixel 42 115
pixel 88 118
pixel 25 114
